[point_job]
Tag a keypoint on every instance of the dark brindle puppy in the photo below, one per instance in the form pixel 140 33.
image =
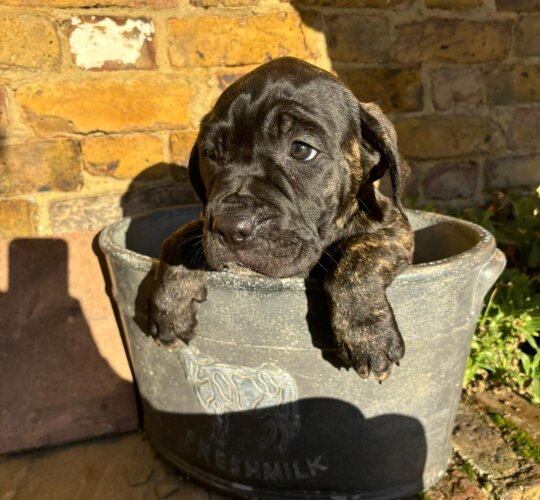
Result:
pixel 284 165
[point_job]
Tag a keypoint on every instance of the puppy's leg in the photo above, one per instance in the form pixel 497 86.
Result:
pixel 179 286
pixel 365 330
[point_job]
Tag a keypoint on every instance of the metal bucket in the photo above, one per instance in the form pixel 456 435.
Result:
pixel 259 406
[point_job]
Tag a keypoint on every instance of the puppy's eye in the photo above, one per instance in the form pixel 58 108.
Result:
pixel 210 153
pixel 302 152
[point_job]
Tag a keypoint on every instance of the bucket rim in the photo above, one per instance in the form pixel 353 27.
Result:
pixel 475 256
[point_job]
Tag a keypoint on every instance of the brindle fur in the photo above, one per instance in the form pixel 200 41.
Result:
pixel 326 213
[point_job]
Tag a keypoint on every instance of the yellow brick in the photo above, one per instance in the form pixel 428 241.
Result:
pixel 123 157
pixel 91 3
pixel 109 104
pixel 28 42
pixel 40 166
pixel 181 144
pixel 225 41
pixel 17 218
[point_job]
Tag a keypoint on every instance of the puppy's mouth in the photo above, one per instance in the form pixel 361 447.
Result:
pixel 275 259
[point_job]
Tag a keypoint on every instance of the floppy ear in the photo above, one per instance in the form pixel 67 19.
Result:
pixel 195 174
pixel 379 151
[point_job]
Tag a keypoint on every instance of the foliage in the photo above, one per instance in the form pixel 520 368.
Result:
pixel 506 345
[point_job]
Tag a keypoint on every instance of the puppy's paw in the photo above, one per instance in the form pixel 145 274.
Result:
pixel 173 304
pixel 372 347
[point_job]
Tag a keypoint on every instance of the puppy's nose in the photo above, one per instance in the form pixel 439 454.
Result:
pixel 233 230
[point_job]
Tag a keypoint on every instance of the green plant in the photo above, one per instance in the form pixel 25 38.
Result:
pixel 506 345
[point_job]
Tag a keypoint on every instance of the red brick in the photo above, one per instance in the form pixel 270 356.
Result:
pixel 107 104
pixel 513 84
pixel 445 136
pixel 392 89
pixel 524 130
pixel 17 218
pixel 61 349
pixel 111 43
pixel 40 166
pixel 29 42
pixel 242 40
pixel 528 35
pixel 453 40
pixel 451 180
pixel 517 5
pixel 357 38
pixel 453 87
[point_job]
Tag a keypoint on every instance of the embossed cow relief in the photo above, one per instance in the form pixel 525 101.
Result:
pixel 222 389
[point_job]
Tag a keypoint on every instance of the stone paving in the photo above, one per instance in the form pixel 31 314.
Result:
pixel 484 465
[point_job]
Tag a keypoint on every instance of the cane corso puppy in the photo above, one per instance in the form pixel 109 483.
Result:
pixel 285 165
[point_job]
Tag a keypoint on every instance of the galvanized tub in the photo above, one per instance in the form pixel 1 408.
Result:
pixel 259 406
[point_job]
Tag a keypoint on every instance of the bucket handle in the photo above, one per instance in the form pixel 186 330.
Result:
pixel 487 276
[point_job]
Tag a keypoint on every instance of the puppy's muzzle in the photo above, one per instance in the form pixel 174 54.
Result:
pixel 232 230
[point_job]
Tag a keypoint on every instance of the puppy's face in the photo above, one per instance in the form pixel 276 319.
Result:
pixel 277 164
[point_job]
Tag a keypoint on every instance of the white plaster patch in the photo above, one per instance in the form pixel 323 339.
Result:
pixel 97 42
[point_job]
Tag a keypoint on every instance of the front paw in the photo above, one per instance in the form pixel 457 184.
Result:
pixel 173 304
pixel 371 347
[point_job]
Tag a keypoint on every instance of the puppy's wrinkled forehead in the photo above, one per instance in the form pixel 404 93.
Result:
pixel 276 97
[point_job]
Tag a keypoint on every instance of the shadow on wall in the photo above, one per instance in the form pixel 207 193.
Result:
pixel 56 387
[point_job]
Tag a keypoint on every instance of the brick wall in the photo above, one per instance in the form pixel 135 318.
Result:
pixel 96 100
pixel 100 101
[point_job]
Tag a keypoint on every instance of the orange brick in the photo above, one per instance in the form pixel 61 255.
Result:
pixel 378 4
pixel 452 4
pixel 181 144
pixel 134 102
pixel 28 42
pixel 454 40
pixel 124 156
pixel 225 41
pixel 40 166
pixel 91 3
pixel 17 218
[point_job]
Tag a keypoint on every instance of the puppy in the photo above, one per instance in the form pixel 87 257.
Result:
pixel 285 165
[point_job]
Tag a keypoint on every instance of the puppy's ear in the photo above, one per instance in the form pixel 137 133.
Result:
pixel 379 151
pixel 195 174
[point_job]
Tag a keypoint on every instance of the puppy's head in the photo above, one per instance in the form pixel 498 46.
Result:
pixel 279 163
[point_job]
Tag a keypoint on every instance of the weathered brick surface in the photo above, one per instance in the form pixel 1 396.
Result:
pixel 453 87
pixel 222 3
pixel 124 156
pixel 378 4
pixel 17 218
pixel 107 104
pixel 392 89
pixel 29 42
pixel 528 35
pixel 513 84
pixel 517 5
pixel 445 136
pixel 357 38
pixel 454 40
pixel 180 146
pixel 241 40
pixel 40 166
pixel 78 382
pixel 111 43
pixel 524 129
pixel 482 446
pixel 451 180
pixel 511 172
pixel 4 117
pixel 92 3
pixel 453 4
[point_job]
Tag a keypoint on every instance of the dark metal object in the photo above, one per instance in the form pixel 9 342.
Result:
pixel 239 411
